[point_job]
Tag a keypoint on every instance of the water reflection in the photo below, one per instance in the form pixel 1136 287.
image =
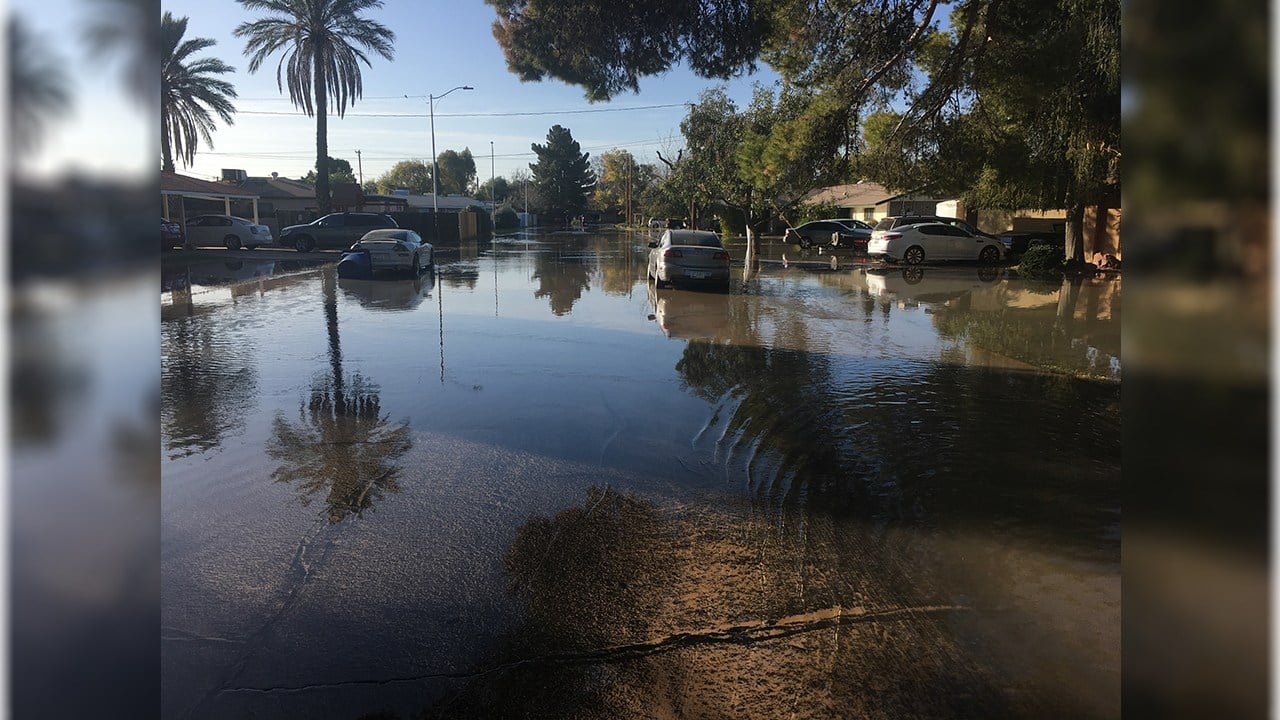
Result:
pixel 1074 329
pixel 563 274
pixel 389 294
pixel 687 315
pixel 208 383
pixel 341 443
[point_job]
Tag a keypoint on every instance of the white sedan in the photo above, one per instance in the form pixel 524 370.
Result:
pixel 228 231
pixel 914 244
pixel 396 249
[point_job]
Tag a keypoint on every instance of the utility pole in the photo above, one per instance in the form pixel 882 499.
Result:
pixel 629 163
pixel 360 166
pixel 493 190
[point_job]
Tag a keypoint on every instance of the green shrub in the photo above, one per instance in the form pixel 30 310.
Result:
pixel 1041 260
pixel 506 218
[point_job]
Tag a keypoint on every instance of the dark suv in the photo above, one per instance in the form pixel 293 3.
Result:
pixel 335 230
pixel 893 221
pixel 824 232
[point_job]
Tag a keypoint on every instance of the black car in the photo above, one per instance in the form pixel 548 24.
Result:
pixel 1018 242
pixel 335 230
pixel 828 232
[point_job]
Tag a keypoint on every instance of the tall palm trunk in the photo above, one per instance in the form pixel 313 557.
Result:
pixel 322 141
pixel 166 154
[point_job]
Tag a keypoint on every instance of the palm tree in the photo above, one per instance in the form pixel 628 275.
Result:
pixel 188 91
pixel 321 41
pixel 127 29
pixel 38 87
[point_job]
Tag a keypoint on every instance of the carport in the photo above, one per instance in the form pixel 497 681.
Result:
pixel 175 188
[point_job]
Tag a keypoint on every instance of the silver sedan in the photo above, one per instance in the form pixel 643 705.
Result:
pixel 229 231
pixel 396 249
pixel 688 257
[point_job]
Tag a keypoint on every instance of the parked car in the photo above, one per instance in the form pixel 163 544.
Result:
pixel 228 231
pixel 853 223
pixel 914 244
pixel 335 230
pixel 396 250
pixel 893 221
pixel 827 232
pixel 1018 242
pixel 688 257
pixel 171 235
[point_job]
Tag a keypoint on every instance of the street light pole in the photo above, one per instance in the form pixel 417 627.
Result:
pixel 493 190
pixel 435 168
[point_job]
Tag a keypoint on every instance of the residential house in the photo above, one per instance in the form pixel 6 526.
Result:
pixel 182 196
pixel 868 201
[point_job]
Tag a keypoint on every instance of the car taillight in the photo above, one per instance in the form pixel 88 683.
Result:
pixel 253 229
pixel 721 255
pixel 673 253
pixel 892 236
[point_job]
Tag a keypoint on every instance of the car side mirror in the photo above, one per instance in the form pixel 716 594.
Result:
pixel 653 244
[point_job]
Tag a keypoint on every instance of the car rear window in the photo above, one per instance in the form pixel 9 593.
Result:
pixel 885 224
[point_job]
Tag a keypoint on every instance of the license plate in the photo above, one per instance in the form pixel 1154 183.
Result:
pixel 699 275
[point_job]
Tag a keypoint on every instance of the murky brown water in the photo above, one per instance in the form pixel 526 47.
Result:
pixel 531 485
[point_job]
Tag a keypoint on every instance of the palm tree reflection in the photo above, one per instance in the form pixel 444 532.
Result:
pixel 342 443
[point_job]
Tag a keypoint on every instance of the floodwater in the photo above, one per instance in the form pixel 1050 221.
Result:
pixel 529 485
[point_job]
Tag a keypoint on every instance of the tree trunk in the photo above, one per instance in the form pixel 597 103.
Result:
pixel 1074 250
pixel 750 263
pixel 166 153
pixel 322 141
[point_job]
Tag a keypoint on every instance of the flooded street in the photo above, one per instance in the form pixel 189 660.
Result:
pixel 527 484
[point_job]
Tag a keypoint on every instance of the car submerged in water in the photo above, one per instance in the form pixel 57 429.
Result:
pixel 391 250
pixel 688 257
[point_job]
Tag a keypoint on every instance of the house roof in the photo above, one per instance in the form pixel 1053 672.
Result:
pixel 171 183
pixel 859 194
pixel 445 202
pixel 279 188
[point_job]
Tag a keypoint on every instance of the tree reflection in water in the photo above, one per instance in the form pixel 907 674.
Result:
pixel 562 276
pixel 918 443
pixel 208 384
pixel 342 443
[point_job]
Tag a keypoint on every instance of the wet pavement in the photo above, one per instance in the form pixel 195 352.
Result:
pixel 530 485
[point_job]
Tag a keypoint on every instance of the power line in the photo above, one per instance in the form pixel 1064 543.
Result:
pixel 473 115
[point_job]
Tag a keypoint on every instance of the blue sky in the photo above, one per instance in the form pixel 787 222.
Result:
pixel 439 45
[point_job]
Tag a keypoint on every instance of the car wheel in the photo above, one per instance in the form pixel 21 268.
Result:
pixel 304 244
pixel 989 255
pixel 805 243
pixel 231 242
pixel 416 267
pixel 912 275
pixel 914 255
